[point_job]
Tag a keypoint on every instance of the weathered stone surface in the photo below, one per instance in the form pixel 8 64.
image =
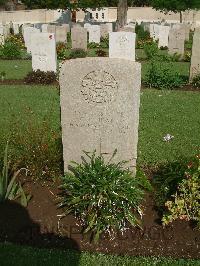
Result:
pixel 100 100
pixel 79 38
pixel 51 28
pixel 122 45
pixel 28 31
pixel 163 36
pixel 195 60
pixel 67 27
pixel 61 33
pixel 44 28
pixel 94 34
pixel 154 31
pixel 16 28
pixel 43 49
pixel 104 30
pixel 176 41
pixel 87 26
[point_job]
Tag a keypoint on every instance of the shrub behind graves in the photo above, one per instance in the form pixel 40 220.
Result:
pixel 196 81
pixel 141 33
pixel 185 204
pixel 103 195
pixel 151 50
pixel 40 77
pixel 10 51
pixel 104 42
pixel 61 49
pixel 77 53
pixel 17 40
pixel 163 76
pixel 166 179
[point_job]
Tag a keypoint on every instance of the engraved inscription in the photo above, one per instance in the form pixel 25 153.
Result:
pixel 99 87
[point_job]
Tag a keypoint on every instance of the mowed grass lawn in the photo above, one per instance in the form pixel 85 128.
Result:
pixel 161 112
pixel 12 255
pixel 18 69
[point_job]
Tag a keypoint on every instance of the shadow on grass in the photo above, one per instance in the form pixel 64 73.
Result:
pixel 17 227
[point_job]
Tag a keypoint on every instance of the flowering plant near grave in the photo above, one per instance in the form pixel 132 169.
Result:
pixel 104 196
pixel 196 81
pixel 16 40
pixel 187 56
pixel 141 43
pixel 185 204
pixel 61 49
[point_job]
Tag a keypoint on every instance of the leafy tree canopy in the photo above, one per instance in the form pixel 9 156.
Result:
pixel 64 4
pixel 175 5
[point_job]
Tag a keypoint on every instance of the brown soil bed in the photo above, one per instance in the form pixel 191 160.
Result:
pixel 40 225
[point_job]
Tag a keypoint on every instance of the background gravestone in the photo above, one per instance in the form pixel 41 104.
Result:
pixel 43 52
pixel 176 41
pixel 79 38
pixel 61 33
pixel 94 34
pixel 163 36
pixel 195 60
pixel 105 30
pixel 122 45
pixel 16 28
pixel 45 28
pixel 100 108
pixel 28 31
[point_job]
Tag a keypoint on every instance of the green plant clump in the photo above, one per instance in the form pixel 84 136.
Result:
pixel 163 76
pixel 77 53
pixel 151 50
pixel 103 195
pixel 186 201
pixel 10 189
pixel 10 51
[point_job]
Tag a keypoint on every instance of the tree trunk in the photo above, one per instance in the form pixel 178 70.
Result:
pixel 122 14
pixel 181 17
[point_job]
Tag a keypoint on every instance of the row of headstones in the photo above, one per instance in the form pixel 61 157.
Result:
pixel 43 47
pixel 173 37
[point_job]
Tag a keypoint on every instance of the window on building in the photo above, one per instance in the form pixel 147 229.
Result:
pixel 90 15
pixel 97 15
pixel 103 16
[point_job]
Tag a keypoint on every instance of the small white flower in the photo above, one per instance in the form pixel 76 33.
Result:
pixel 168 137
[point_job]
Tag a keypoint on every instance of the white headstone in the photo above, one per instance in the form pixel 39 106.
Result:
pixel 79 38
pixel 43 52
pixel 94 34
pixel 87 26
pixel 195 60
pixel 28 31
pixel 163 36
pixel 176 41
pixel 122 45
pixel 16 28
pixel 100 108
pixel 61 33
pixel 44 28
